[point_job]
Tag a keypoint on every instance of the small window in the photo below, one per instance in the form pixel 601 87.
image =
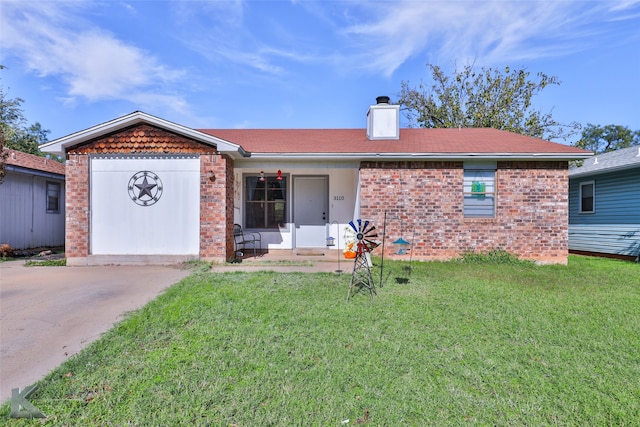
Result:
pixel 265 201
pixel 53 197
pixel 479 190
pixel 587 197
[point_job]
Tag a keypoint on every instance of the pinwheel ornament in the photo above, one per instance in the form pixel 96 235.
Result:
pixel 362 234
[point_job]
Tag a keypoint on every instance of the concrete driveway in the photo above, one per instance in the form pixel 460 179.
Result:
pixel 48 314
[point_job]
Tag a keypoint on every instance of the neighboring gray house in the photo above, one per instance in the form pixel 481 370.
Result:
pixel 604 205
pixel 32 202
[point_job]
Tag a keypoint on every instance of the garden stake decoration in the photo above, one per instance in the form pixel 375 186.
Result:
pixel 407 268
pixel 364 233
pixel 384 234
pixel 339 270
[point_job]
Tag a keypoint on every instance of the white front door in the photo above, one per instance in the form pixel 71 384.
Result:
pixel 310 210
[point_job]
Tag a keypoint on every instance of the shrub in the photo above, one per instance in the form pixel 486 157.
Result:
pixel 493 256
pixel 6 250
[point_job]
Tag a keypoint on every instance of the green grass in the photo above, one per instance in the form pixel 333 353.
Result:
pixel 46 263
pixel 280 262
pixel 462 343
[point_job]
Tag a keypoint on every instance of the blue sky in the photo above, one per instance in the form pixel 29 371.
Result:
pixel 305 64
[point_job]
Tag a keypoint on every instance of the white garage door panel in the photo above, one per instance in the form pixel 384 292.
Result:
pixel 170 226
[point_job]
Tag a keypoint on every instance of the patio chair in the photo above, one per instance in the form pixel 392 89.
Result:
pixel 244 239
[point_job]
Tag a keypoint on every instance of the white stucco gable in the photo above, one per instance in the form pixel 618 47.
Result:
pixel 61 145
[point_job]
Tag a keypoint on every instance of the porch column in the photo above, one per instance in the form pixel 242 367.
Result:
pixel 216 207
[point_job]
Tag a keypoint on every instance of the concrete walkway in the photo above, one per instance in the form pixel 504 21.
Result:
pixel 48 314
pixel 286 261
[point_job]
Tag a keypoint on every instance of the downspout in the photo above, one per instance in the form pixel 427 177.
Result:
pixel 89 216
pixel 33 208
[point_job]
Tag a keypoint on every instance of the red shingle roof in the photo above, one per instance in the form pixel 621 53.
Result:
pixel 412 140
pixel 29 161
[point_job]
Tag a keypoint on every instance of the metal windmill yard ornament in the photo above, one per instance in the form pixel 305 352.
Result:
pixel 363 233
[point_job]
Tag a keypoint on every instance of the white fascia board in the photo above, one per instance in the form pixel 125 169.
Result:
pixel 604 170
pixel 36 172
pixel 60 145
pixel 416 156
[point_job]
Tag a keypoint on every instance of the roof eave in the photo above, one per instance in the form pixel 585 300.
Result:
pixel 37 172
pixel 420 156
pixel 59 146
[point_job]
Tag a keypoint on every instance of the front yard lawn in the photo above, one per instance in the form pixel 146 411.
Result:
pixel 462 343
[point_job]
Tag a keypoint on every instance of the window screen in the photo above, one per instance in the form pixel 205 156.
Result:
pixel 479 191
pixel 53 197
pixel 587 197
pixel 265 201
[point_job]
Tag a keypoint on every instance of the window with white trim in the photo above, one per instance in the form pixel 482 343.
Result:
pixel 265 201
pixel 588 197
pixel 479 190
pixel 53 197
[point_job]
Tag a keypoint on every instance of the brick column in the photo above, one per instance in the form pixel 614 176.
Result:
pixel 77 209
pixel 216 207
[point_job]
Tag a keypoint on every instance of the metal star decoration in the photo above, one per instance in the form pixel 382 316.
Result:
pixel 145 188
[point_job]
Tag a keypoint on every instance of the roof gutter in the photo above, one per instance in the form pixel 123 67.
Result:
pixel 37 172
pixel 419 156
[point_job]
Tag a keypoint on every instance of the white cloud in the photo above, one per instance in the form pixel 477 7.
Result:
pixel 623 4
pixel 378 37
pixel 241 34
pixel 218 32
pixel 52 40
pixel 60 39
pixel 486 32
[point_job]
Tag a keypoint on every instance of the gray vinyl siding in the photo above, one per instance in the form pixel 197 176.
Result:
pixel 614 226
pixel 24 221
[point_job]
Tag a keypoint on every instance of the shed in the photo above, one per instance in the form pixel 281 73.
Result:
pixel 32 202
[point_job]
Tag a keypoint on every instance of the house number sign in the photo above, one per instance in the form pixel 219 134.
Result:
pixel 145 188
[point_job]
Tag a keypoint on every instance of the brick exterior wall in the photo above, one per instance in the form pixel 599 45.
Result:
pixel 531 218
pixel 77 208
pixel 216 196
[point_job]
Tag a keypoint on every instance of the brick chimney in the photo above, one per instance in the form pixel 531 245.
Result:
pixel 383 120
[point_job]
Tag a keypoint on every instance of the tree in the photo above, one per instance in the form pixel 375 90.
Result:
pixel 602 139
pixel 3 157
pixel 28 139
pixel 11 116
pixel 485 98
pixel 14 131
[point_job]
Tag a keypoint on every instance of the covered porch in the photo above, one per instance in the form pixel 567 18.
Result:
pixel 297 207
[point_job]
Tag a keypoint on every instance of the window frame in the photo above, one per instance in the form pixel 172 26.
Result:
pixel 56 188
pixel 581 210
pixel 485 167
pixel 268 224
